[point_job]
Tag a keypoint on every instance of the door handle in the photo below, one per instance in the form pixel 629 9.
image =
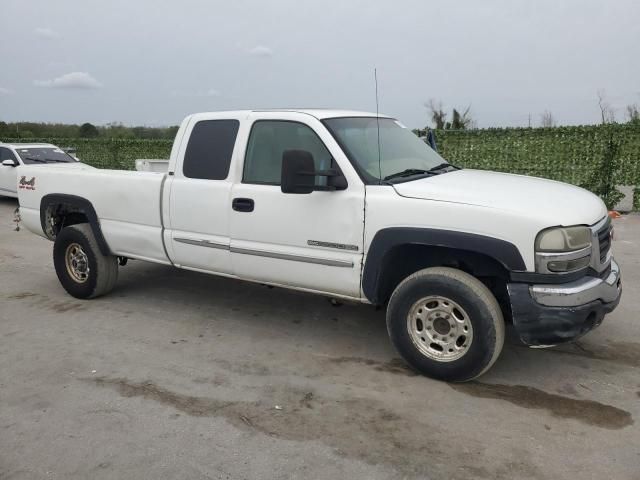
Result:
pixel 243 204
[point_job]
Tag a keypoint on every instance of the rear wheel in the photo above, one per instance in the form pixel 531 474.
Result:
pixel 82 269
pixel 446 324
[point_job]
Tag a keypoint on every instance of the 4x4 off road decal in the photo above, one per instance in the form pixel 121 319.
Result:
pixel 25 184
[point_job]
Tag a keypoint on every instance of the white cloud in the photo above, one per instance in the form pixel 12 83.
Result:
pixel 5 91
pixel 80 80
pixel 260 51
pixel 44 32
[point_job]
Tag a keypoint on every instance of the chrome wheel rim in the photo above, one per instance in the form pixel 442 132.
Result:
pixel 77 263
pixel 440 328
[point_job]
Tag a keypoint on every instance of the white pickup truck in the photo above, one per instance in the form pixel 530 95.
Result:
pixel 347 205
pixel 15 154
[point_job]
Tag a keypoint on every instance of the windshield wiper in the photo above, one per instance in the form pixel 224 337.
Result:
pixel 419 171
pixel 443 166
pixel 33 159
pixel 407 173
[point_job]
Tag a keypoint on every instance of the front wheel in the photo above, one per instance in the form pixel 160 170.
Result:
pixel 446 324
pixel 82 269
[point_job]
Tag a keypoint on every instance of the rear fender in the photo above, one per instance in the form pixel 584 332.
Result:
pixel 58 210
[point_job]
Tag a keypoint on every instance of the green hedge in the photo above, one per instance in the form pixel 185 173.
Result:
pixel 569 154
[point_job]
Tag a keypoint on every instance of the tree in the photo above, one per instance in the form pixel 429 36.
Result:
pixel 547 120
pixel 438 115
pixel 88 130
pixel 607 113
pixel 633 114
pixel 25 134
pixel 459 121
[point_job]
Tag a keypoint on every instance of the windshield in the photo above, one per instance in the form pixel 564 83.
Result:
pixel 400 149
pixel 34 155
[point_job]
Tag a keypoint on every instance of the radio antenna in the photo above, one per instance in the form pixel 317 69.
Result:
pixel 375 76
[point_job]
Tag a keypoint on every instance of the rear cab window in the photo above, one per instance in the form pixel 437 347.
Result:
pixel 210 148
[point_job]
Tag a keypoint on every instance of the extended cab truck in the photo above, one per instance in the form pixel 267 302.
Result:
pixel 346 205
pixel 15 154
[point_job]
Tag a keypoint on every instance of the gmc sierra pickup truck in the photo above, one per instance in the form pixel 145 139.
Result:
pixel 348 205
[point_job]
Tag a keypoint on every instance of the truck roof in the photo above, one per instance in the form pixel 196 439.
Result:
pixel 319 113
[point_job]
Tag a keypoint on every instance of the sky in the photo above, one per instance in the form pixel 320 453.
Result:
pixel 152 62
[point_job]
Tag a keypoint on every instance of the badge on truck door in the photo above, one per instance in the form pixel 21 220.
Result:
pixel 25 184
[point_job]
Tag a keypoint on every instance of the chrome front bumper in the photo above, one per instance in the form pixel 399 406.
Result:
pixel 580 292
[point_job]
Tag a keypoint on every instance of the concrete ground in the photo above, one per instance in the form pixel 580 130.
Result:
pixel 182 375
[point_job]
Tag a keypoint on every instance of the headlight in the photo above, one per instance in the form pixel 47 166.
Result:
pixel 563 239
pixel 563 249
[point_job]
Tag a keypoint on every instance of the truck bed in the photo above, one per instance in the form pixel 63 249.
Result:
pixel 127 204
pixel 152 165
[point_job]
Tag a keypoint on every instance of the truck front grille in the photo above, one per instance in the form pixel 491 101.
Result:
pixel 604 240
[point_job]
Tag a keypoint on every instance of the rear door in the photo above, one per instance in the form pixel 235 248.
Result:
pixel 8 175
pixel 197 230
pixel 311 241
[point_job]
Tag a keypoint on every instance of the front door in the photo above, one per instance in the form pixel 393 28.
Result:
pixel 312 241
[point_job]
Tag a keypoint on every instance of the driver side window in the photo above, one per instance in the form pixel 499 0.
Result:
pixel 268 141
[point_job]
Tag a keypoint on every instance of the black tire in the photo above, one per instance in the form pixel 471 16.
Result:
pixel 481 307
pixel 102 269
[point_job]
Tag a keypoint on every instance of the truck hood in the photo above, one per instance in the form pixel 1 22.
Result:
pixel 555 202
pixel 76 165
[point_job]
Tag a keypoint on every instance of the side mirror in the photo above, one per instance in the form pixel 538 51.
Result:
pixel 9 163
pixel 298 174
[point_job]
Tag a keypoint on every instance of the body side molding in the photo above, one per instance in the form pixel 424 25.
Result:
pixel 263 253
pixel 201 243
